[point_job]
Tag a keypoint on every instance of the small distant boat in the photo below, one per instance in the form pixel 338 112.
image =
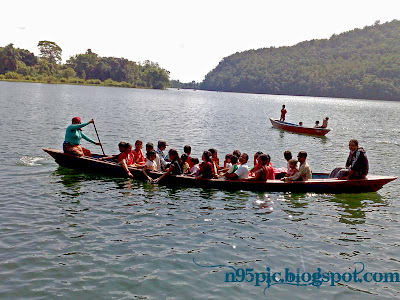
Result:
pixel 320 183
pixel 298 129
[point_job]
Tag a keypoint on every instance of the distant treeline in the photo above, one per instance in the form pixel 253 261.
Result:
pixel 88 68
pixel 180 85
pixel 362 63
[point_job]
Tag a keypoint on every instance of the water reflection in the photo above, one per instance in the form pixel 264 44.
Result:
pixel 354 206
pixel 323 138
pixel 71 180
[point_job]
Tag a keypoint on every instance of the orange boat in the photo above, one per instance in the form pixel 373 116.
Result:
pixel 298 129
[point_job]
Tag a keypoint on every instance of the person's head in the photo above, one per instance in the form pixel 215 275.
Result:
pixel 207 156
pixel 162 145
pixel 353 145
pixel 128 148
pixel 228 157
pixel 302 156
pixel 184 157
pixel 256 155
pixel 76 120
pixel 293 163
pixel 121 146
pixel 173 154
pixel 138 144
pixel 287 155
pixel 234 160
pixel 236 153
pixel 283 106
pixel 263 159
pixel 300 123
pixel 149 146
pixel 213 152
pixel 243 158
pixel 151 155
pixel 187 149
pixel 326 118
pixel 194 160
pixel 316 122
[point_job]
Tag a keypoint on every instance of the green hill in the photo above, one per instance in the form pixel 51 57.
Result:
pixel 362 63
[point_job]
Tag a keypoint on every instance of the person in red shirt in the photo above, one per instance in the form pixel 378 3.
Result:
pixel 283 113
pixel 207 168
pixel 257 164
pixel 125 159
pixel 270 169
pixel 264 172
pixel 139 158
pixel 215 159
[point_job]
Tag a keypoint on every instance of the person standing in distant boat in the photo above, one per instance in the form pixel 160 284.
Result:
pixel 73 136
pixel 325 122
pixel 283 113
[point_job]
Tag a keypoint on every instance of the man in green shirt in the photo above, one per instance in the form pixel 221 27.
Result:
pixel 73 136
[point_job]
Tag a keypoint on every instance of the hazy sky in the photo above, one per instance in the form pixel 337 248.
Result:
pixel 188 38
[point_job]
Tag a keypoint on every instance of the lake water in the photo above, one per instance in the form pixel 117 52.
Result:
pixel 66 234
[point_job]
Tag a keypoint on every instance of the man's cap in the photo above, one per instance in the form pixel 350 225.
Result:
pixel 76 120
pixel 162 143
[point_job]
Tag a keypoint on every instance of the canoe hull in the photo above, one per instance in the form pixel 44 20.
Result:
pixel 88 164
pixel 298 129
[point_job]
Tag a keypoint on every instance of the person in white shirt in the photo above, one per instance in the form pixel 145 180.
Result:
pixel 243 171
pixel 304 172
pixel 195 170
pixel 150 163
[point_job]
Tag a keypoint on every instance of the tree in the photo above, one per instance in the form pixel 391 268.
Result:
pixel 50 51
pixel 8 59
pixel 27 57
pixel 68 72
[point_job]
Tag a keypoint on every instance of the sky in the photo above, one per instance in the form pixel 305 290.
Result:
pixel 188 38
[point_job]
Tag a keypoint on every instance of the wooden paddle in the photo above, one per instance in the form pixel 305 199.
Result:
pixel 95 129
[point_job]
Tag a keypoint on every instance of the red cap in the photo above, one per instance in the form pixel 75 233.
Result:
pixel 76 120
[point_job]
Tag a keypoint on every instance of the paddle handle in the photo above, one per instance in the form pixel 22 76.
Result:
pixel 95 129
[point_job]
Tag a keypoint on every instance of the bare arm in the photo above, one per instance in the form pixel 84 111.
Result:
pixel 144 172
pixel 257 175
pixel 164 175
pixel 232 175
pixel 125 167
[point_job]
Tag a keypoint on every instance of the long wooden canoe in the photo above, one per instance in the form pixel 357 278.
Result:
pixel 319 184
pixel 298 129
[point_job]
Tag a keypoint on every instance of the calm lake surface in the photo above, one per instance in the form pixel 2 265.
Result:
pixel 66 234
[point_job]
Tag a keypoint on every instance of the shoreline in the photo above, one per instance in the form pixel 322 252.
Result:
pixel 81 82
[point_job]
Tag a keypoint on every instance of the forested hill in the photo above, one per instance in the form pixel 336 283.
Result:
pixel 362 63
